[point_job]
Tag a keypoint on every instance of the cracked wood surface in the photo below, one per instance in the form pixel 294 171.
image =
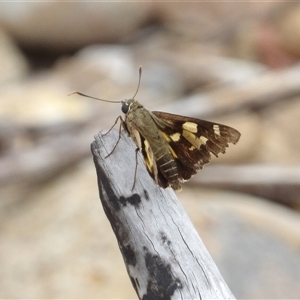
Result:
pixel 163 253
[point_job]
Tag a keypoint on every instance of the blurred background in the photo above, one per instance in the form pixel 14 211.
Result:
pixel 233 63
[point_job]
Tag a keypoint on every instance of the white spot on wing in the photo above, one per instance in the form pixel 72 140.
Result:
pixel 217 129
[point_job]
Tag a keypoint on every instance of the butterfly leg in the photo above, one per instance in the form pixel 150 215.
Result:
pixel 117 119
pixel 122 124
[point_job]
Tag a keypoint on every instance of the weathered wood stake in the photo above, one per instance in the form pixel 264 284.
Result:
pixel 164 256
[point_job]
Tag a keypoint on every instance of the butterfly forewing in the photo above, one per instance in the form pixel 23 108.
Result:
pixel 193 140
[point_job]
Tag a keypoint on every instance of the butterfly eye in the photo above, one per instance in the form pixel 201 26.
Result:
pixel 125 108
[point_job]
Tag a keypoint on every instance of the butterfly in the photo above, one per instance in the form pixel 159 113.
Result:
pixel 174 147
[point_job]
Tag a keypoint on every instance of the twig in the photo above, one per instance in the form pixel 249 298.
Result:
pixel 164 256
pixel 256 93
pixel 274 182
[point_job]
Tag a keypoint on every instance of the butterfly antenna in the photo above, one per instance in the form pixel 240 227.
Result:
pixel 84 95
pixel 104 100
pixel 140 76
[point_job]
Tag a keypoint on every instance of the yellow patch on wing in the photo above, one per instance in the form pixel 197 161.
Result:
pixel 175 136
pixel 190 126
pixel 165 136
pixel 173 152
pixel 149 159
pixel 203 139
pixel 168 139
pixel 193 139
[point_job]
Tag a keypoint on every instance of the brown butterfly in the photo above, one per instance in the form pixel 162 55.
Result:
pixel 174 147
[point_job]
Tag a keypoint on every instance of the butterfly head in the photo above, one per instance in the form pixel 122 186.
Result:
pixel 128 105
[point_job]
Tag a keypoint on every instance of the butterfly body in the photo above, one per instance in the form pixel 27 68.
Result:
pixel 146 131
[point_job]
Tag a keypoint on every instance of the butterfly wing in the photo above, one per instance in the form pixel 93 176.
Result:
pixel 193 140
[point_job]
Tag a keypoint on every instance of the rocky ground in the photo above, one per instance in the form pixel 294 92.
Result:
pixel 233 63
